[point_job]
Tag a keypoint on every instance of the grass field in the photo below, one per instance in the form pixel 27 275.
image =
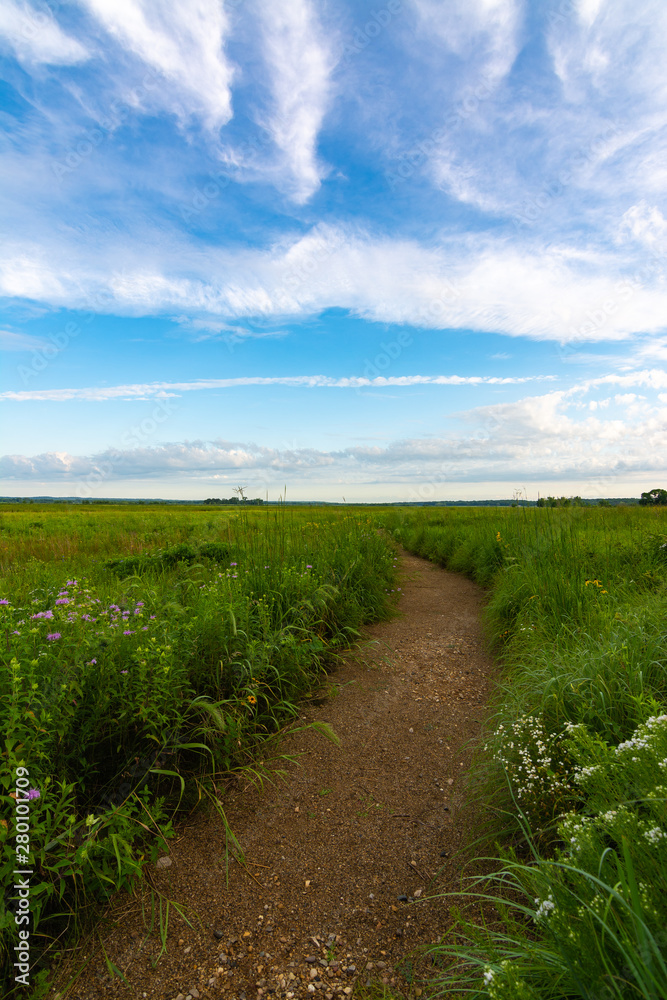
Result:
pixel 147 654
pixel 575 762
pixel 150 652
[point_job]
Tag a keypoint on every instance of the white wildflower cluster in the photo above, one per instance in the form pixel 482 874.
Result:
pixel 544 908
pixel 581 774
pixel 655 834
pixel 488 975
pixel 643 737
pixel 577 832
pixel 527 754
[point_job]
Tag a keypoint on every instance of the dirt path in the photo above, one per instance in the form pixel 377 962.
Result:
pixel 337 852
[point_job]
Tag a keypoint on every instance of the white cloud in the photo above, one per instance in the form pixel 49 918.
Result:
pixel 557 293
pixel 164 390
pixel 484 33
pixel 36 38
pixel 537 437
pixel 183 41
pixel 646 224
pixel 300 62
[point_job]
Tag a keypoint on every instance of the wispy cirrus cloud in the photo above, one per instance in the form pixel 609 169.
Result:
pixel 555 293
pixel 147 390
pixel 10 341
pixel 184 43
pixel 300 59
pixel 36 37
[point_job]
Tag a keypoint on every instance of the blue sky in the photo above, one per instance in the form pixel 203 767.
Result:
pixel 409 249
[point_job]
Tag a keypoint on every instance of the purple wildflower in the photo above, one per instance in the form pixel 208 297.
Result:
pixel 32 793
pixel 309 567
pixel 53 635
pixel 233 564
pixel 91 663
pixel 71 583
pixel 63 600
pixel 4 601
pixel 123 671
pixel 127 632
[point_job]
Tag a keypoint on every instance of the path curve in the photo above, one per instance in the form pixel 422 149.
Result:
pixel 333 851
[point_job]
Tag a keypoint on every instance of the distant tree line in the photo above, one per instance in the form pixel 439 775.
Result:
pixel 560 502
pixel 212 500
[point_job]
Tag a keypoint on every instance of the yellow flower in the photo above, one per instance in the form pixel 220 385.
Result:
pixel 251 699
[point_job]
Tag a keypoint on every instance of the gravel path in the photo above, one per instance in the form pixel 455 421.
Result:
pixel 343 855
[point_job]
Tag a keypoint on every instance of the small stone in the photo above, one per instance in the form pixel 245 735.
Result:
pixel 194 992
pixel 347 991
pixel 217 934
pixel 186 951
pixel 403 898
pixel 164 862
pixel 181 996
pixel 444 854
pixel 311 959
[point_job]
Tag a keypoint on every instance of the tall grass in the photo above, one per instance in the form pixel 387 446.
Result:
pixel 146 655
pixel 576 747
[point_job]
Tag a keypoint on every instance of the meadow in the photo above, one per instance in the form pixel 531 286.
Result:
pixel 149 654
pixel 574 765
pixel 152 653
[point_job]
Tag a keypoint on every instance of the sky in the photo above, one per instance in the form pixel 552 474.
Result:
pixel 371 251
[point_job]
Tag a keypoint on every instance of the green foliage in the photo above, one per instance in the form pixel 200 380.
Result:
pixel 654 498
pixel 575 752
pixel 145 657
pixel 167 559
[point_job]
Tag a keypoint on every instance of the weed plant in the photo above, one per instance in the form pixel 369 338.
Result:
pixel 577 740
pixel 146 655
